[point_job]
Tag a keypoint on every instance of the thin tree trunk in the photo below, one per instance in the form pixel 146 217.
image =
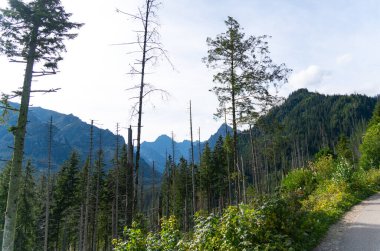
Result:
pixel 116 223
pixel 243 177
pixel 192 163
pixel 47 205
pixel 88 192
pixel 18 153
pixel 186 197
pixel 234 123
pixel 129 183
pixel 81 227
pixel 253 158
pixel 141 96
pixel 99 167
pixel 153 197
pixel 142 191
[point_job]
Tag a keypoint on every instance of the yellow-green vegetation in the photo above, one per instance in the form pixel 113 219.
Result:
pixel 295 218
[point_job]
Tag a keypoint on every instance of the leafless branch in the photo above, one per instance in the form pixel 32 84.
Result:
pixel 128 14
pixel 9 108
pixel 47 91
pixel 17 61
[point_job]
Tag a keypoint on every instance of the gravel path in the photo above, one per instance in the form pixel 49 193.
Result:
pixel 358 230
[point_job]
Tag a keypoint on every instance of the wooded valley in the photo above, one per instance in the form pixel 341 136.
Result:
pixel 275 176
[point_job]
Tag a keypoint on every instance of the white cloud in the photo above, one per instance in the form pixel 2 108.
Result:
pixel 344 59
pixel 311 77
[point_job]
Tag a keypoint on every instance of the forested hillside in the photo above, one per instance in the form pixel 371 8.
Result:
pixel 292 133
pixel 68 134
pixel 274 176
pixel 288 137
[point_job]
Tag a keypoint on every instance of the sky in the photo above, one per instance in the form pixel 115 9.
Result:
pixel 331 46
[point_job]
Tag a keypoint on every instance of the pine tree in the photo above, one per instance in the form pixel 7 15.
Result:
pixel 247 72
pixel 66 206
pixel 30 32
pixel 206 174
pixel 4 184
pixel 26 212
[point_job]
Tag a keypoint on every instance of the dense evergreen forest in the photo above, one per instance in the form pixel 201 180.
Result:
pixel 300 163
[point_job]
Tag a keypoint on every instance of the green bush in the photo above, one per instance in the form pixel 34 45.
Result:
pixel 135 239
pixel 370 148
pixel 300 181
pixel 343 170
pixel 309 201
pixel 323 167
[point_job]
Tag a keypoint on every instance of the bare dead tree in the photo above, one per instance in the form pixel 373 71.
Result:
pixel 129 180
pixel 149 47
pixel 88 192
pixel 192 162
pixel 116 217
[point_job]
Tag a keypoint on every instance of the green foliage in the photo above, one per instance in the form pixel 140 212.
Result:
pixel 344 170
pixel 370 148
pixel 291 134
pixel 44 23
pixel 343 149
pixel 301 181
pixel 136 240
pixel 4 183
pixel 375 116
pixel 26 212
pixel 323 152
pixel 323 167
pixel 240 60
pixel 310 200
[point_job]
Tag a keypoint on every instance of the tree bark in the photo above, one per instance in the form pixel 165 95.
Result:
pixel 192 162
pixel 88 193
pixel 18 153
pixel 141 96
pixel 47 206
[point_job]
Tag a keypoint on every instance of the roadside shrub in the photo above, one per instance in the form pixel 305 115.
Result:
pixel 135 239
pixel 299 181
pixel 370 148
pixel 323 167
pixel 343 170
pixel 206 234
pixel 331 197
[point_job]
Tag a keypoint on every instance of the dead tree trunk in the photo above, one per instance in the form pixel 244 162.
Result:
pixel 129 182
pixel 47 205
pixel 116 212
pixel 192 163
pixel 153 197
pixel 99 170
pixel 88 192
pixel 149 4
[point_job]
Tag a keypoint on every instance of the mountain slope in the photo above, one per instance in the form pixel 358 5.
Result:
pixel 163 146
pixel 69 134
pixel 306 122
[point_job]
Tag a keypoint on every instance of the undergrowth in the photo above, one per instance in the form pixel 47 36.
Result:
pixel 295 218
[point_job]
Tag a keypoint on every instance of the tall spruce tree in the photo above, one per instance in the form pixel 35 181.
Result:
pixel 31 32
pixel 4 184
pixel 65 206
pixel 246 75
pixel 26 215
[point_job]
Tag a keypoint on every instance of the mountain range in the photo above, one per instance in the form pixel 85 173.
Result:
pixel 70 133
pixel 162 147
pixel 304 122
